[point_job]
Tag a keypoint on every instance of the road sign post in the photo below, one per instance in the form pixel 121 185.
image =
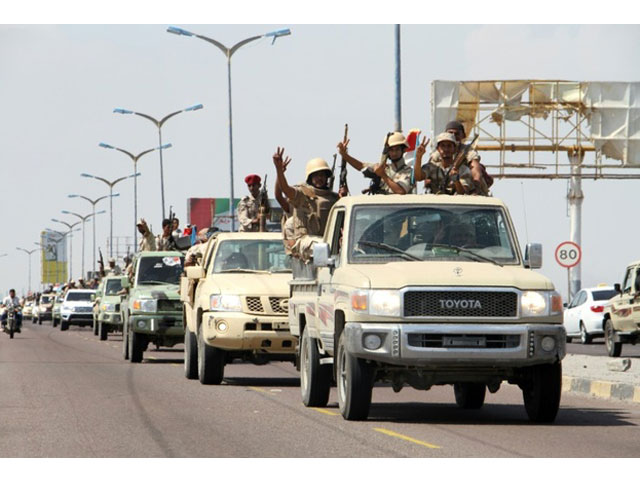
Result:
pixel 568 255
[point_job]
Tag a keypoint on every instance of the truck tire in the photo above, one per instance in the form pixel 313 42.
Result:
pixel 136 349
pixel 210 362
pixel 614 349
pixel 64 325
pixel 542 392
pixel 103 331
pixel 470 395
pixel 585 338
pixel 39 320
pixel 54 322
pixel 355 384
pixel 315 379
pixel 190 354
pixel 125 343
pixel 95 327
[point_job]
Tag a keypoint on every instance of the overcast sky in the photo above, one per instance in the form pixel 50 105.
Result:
pixel 60 84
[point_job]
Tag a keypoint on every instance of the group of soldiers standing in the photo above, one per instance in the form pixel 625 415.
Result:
pixel 453 168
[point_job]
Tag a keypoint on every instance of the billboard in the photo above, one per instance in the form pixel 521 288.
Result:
pixel 53 257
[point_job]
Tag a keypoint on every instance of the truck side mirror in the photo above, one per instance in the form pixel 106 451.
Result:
pixel 195 272
pixel 124 282
pixel 322 255
pixel 617 287
pixel 533 255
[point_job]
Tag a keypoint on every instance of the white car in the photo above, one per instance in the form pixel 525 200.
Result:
pixel 583 317
pixel 77 308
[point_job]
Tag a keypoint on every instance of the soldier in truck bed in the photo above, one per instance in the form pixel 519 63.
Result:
pixel 310 203
pixel 439 173
pixel 395 175
pixel 249 206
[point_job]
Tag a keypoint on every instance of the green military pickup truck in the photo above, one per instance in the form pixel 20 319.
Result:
pixel 106 312
pixel 152 310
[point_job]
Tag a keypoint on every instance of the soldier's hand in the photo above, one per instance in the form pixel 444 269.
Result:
pixel 343 192
pixel 286 163
pixel 342 147
pixel 422 148
pixel 277 159
pixel 380 170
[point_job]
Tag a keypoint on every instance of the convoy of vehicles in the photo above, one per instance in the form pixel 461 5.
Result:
pixel 235 305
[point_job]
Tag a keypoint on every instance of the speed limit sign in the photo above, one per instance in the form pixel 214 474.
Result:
pixel 568 254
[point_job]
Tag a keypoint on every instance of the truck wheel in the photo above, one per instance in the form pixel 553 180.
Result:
pixel 125 344
pixel 103 331
pixel 585 338
pixel 54 322
pixel 470 395
pixel 315 379
pixel 96 327
pixel 614 349
pixel 355 384
pixel 39 320
pixel 11 331
pixel 190 354
pixel 64 325
pixel 210 362
pixel 542 393
pixel 135 347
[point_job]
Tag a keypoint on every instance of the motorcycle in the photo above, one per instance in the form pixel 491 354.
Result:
pixel 12 320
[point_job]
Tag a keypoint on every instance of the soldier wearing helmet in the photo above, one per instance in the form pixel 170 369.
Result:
pixel 439 174
pixel 310 203
pixel 395 175
pixel 249 206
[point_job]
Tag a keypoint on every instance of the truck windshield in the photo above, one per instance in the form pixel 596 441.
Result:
pixel 159 270
pixel 78 296
pixel 252 256
pixel 113 287
pixel 396 233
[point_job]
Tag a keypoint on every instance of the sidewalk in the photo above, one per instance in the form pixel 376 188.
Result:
pixel 601 376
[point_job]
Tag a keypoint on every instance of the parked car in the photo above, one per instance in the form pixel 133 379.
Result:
pixel 583 316
pixel 42 308
pixel 77 308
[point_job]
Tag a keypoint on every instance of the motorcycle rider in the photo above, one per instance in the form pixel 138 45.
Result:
pixel 14 301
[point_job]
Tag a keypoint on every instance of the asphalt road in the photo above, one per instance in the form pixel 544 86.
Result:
pixel 66 394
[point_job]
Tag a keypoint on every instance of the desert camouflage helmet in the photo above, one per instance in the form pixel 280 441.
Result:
pixel 316 165
pixel 397 138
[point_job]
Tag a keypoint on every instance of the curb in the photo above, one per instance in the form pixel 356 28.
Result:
pixel 601 389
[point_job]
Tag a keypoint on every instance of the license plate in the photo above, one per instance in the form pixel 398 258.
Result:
pixel 464 342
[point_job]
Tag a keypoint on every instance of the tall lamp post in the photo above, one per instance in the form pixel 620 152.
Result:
pixel 84 219
pixel 70 226
pixel 93 205
pixel 28 252
pixel 159 124
pixel 110 184
pixel 135 159
pixel 228 52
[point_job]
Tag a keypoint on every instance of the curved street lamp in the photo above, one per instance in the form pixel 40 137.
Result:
pixel 228 52
pixel 135 159
pixel 70 226
pixel 159 124
pixel 84 219
pixel 28 252
pixel 110 184
pixel 93 205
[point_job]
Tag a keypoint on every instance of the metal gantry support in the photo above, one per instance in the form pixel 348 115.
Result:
pixel 228 52
pixel 159 124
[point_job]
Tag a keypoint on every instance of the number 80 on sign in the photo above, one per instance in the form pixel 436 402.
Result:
pixel 568 254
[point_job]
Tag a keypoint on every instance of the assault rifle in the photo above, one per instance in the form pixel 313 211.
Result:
pixel 101 263
pixel 263 210
pixel 376 182
pixel 343 163
pixel 332 178
pixel 460 158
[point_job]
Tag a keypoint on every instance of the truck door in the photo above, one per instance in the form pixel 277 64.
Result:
pixel 326 288
pixel 622 308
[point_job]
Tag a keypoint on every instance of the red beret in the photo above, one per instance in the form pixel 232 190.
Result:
pixel 252 179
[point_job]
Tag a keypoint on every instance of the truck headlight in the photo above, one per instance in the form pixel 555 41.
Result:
pixel 225 303
pixel 384 302
pixel 536 304
pixel 145 305
pixel 109 307
pixel 68 309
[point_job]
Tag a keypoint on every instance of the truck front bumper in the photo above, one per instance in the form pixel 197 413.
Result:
pixel 240 331
pixel 410 344
pixel 157 324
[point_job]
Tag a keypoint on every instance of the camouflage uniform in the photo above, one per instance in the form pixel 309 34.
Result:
pixel 165 243
pixel 311 208
pixel 478 188
pixel 248 209
pixel 435 171
pixel 147 243
pixel 287 233
pixel 399 172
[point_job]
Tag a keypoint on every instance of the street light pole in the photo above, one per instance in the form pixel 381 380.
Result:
pixel 159 124
pixel 93 203
pixel 84 219
pixel 135 159
pixel 228 52
pixel 28 252
pixel 70 226
pixel 111 195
